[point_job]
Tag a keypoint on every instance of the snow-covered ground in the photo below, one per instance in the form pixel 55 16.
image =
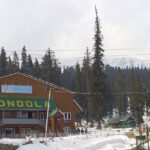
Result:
pixel 108 139
pixel 83 143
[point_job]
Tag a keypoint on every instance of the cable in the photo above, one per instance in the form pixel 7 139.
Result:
pixel 75 50
pixel 108 49
pixel 117 93
pixel 118 49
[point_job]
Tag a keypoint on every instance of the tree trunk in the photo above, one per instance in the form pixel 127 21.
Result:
pixel 99 125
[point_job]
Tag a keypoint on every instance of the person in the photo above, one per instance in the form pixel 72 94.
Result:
pixel 85 131
pixel 82 131
pixel 78 131
pixel 73 131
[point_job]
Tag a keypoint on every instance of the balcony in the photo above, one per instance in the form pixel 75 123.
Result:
pixel 22 121
pixel 65 121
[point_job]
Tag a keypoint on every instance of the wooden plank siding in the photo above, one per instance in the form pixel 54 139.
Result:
pixel 63 97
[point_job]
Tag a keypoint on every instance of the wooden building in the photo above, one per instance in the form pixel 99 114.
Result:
pixel 125 121
pixel 24 103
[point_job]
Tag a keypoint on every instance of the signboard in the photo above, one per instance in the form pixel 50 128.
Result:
pixel 22 89
pixel 10 103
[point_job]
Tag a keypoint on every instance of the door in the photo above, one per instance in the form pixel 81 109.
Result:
pixel 29 115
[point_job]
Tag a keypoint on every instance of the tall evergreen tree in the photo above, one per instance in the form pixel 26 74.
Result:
pixel 147 102
pixel 29 65
pixel 68 77
pixel 15 65
pixel 24 64
pixel 121 99
pixel 98 76
pixel 78 88
pixel 3 62
pixel 87 84
pixel 9 65
pixel 47 66
pixel 36 69
pixel 56 73
pixel 136 98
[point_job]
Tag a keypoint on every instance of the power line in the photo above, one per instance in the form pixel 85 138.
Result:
pixel 118 49
pixel 75 50
pixel 114 55
pixel 113 93
pixel 130 54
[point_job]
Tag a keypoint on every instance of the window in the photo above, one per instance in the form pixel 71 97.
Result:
pixel 7 114
pixel 18 114
pixel 23 89
pixel 42 115
pixel 31 115
pixel 67 129
pixel 23 114
pixel 67 115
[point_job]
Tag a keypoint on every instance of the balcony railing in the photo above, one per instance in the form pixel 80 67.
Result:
pixel 22 121
pixel 65 121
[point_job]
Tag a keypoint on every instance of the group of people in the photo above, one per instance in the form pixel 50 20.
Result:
pixel 79 130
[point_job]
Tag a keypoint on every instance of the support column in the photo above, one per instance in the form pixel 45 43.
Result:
pixel 53 124
pixel 18 131
pixel 62 124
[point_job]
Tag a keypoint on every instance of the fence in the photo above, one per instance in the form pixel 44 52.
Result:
pixel 103 132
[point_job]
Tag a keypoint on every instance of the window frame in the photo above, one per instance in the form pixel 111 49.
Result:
pixel 67 115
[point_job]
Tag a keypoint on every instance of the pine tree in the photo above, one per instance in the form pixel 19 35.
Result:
pixel 56 73
pixel 86 82
pixel 36 69
pixel 68 78
pixel 15 65
pixel 136 99
pixel 147 102
pixel 24 64
pixel 78 88
pixel 3 62
pixel 111 74
pixel 98 76
pixel 47 66
pixel 121 98
pixel 9 66
pixel 29 65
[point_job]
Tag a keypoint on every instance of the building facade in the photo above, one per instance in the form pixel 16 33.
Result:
pixel 24 101
pixel 125 121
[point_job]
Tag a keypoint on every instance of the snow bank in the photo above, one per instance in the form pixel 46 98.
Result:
pixel 84 142
pixel 95 140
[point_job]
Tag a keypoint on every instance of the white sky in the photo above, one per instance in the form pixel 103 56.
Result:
pixel 69 24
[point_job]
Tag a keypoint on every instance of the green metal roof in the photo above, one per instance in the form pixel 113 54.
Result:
pixel 52 105
pixel 119 119
pixel 53 112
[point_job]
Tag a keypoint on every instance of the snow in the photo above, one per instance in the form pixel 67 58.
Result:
pixel 106 139
pixel 83 143
pixel 12 141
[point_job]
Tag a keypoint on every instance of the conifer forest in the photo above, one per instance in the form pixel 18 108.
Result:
pixel 100 89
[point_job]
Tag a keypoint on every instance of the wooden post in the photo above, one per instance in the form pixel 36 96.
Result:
pixel 147 135
pixel 62 124
pixel 46 125
pixel 53 125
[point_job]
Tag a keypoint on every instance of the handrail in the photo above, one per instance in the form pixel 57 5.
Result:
pixel 22 121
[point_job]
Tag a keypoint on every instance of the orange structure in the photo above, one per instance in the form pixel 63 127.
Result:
pixel 24 103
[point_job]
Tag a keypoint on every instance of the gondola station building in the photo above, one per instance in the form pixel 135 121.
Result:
pixel 24 102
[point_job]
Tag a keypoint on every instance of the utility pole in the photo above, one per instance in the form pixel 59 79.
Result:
pixel 46 125
pixel 147 135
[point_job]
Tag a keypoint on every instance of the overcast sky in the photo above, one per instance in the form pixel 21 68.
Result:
pixel 69 25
